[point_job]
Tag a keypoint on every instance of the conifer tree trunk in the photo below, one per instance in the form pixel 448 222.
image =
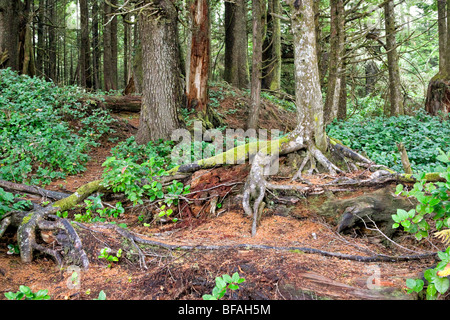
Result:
pixel 236 61
pixel 10 13
pixel 336 73
pixel 395 96
pixel 114 47
pixel 95 46
pixel 310 128
pixel 442 29
pixel 161 86
pixel 84 63
pixel 52 40
pixel 271 72
pixel 199 64
pixel 256 66
pixel 108 76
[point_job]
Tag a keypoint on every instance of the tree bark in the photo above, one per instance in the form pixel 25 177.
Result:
pixel 41 39
pixel 161 82
pixel 10 26
pixel 84 61
pixel 310 128
pixel 114 47
pixel 52 46
pixel 254 111
pixel 95 46
pixel 271 70
pixel 337 39
pixel 107 53
pixel 236 62
pixel 395 97
pixel 197 86
pixel 442 30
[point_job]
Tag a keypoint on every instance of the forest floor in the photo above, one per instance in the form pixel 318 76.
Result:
pixel 270 274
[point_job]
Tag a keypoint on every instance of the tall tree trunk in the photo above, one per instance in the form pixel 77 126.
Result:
pixel 236 61
pixel 395 97
pixel 342 107
pixel 337 39
pixel 442 30
pixel 108 76
pixel 160 64
pixel 126 49
pixel 114 47
pixel 256 65
pixel 41 39
pixel 199 65
pixel 310 128
pixel 52 41
pixel 95 46
pixel 271 72
pixel 10 26
pixel 371 71
pixel 85 70
pixel 137 59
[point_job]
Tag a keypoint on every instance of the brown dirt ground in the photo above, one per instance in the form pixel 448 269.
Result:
pixel 170 275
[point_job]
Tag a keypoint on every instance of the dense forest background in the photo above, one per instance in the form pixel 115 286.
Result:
pixel 97 45
pixel 92 92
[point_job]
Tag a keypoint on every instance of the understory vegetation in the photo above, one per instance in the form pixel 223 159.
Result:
pixel 422 135
pixel 46 132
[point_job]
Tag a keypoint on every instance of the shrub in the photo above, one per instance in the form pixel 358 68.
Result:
pixel 45 132
pixel 422 136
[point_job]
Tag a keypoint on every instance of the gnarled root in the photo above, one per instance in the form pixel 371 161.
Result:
pixel 255 188
pixel 256 185
pixel 66 237
pixel 30 224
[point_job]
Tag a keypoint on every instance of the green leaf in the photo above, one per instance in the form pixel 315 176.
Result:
pixel 10 295
pixel 415 285
pixel 233 286
pixel 227 278
pixel 441 284
pixel 235 277
pixel 220 283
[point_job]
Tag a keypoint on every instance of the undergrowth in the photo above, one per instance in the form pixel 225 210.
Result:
pixel 46 133
pixel 422 135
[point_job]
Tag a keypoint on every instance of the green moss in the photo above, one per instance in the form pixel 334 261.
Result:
pixel 27 218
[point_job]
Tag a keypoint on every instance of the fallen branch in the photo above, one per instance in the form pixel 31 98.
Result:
pixel 33 190
pixel 374 258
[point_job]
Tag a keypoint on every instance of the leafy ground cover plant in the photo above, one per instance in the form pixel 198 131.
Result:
pixel 224 283
pixel 136 169
pixel 25 293
pixel 45 132
pixel 104 254
pixel 433 206
pixel 421 135
pixel 10 202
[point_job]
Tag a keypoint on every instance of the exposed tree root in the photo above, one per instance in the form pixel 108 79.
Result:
pixel 256 184
pixel 374 258
pixel 30 223
pixel 33 190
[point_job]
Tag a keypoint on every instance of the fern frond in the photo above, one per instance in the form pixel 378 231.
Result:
pixel 444 235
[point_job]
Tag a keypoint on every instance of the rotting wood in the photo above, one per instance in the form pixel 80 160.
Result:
pixel 128 103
